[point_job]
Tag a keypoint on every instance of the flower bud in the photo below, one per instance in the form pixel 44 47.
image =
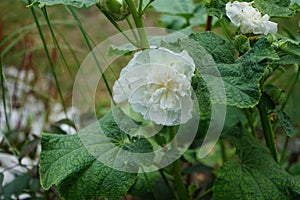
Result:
pixel 117 9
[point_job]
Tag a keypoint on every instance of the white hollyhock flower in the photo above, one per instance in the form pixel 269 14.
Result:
pixel 249 19
pixel 157 84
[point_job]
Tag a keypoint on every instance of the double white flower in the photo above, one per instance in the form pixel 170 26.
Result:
pixel 157 84
pixel 249 19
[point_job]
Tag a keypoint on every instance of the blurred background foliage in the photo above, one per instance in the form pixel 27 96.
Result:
pixel 34 104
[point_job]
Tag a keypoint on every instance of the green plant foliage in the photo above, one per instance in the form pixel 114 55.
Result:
pixel 256 175
pixel 216 7
pixel 241 43
pixel 174 7
pixel 240 77
pixel 75 3
pixel 275 8
pixel 144 183
pixel 173 22
pixel 221 50
pixel 16 187
pixel 261 52
pixel 285 122
pixel 67 163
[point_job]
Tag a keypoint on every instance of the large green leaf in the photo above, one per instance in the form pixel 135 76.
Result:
pixel 275 8
pixel 256 176
pixel 261 51
pixel 221 50
pixel 240 78
pixel 67 163
pixel 241 84
pixel 76 3
pixel 174 7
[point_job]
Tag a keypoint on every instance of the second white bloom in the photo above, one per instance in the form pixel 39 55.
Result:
pixel 157 84
pixel 249 19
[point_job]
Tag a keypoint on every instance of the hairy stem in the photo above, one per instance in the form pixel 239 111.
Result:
pixel 115 24
pixel 139 24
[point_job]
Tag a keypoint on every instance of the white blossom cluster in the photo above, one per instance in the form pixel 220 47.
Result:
pixel 249 19
pixel 157 84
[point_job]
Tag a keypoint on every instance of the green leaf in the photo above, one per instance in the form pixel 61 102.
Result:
pixel 216 7
pixel 275 8
pixel 286 123
pixel 261 51
pixel 241 84
pixel 67 163
pixel 241 78
pixel 202 94
pixel 221 50
pixel 256 176
pixel 76 3
pixel 174 7
pixel 125 49
pixel 173 22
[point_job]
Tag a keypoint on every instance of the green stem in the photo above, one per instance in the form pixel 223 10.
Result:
pixel 250 121
pixel 3 96
pixel 182 192
pixel 69 47
pixel 139 24
pixel 268 131
pixel 85 36
pixel 225 30
pixel 115 24
pixel 140 9
pixel 49 57
pixel 5 135
pixel 286 142
pixel 132 29
pixel 145 8
pixel 56 42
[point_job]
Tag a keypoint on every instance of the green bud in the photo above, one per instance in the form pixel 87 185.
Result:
pixel 117 9
pixel 277 95
pixel 241 43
